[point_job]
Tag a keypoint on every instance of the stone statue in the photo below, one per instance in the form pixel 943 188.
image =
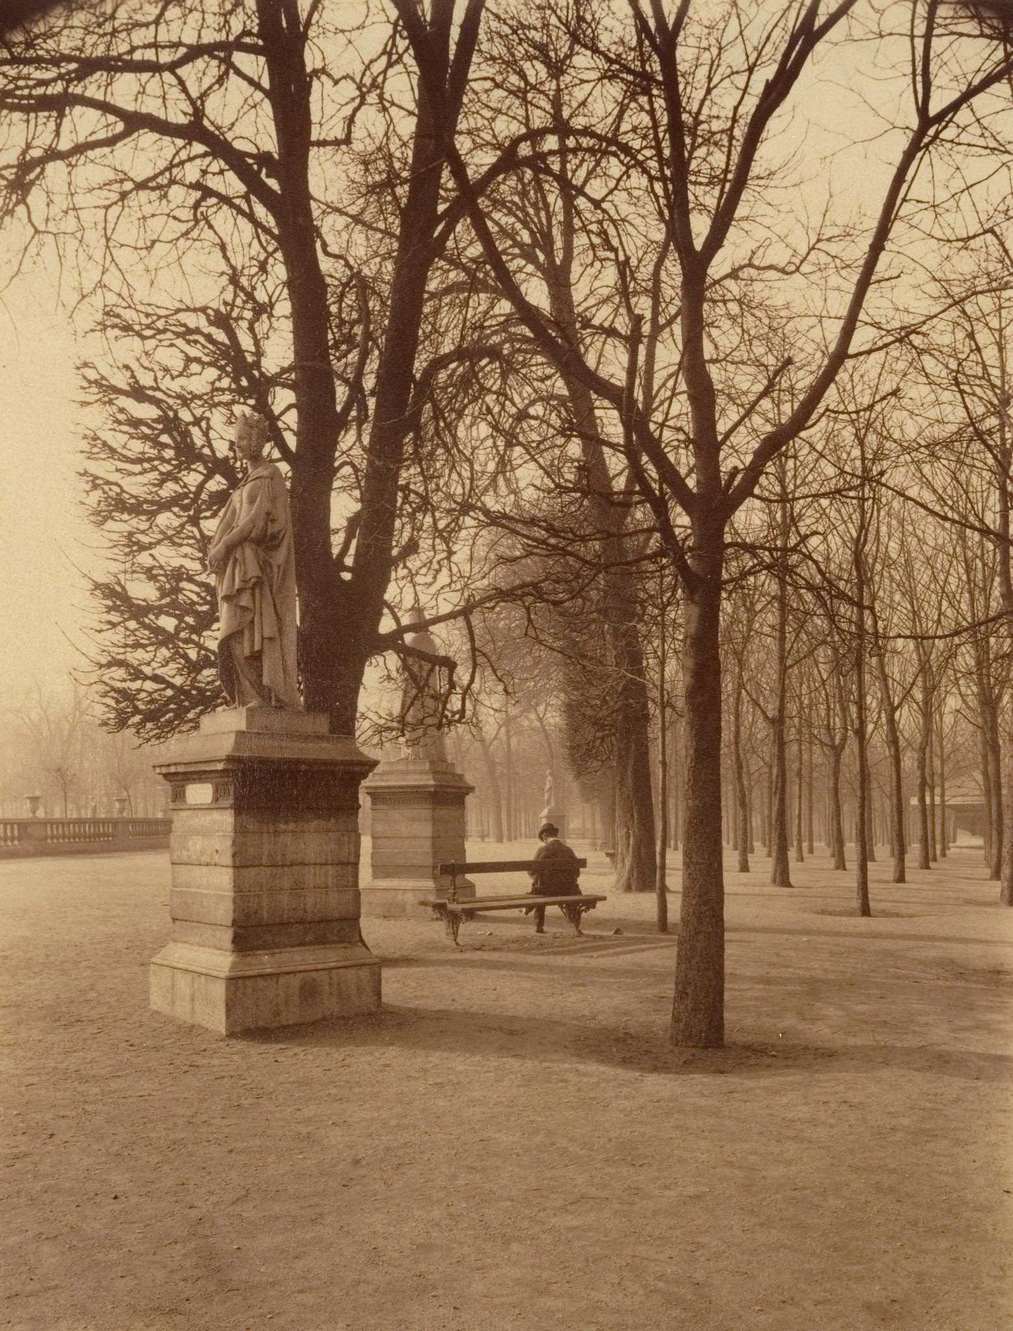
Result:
pixel 252 558
pixel 552 813
pixel 420 700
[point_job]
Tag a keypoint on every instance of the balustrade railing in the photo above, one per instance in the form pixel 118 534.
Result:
pixel 32 836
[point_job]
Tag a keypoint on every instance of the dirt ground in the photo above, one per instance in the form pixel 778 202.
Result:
pixel 511 1145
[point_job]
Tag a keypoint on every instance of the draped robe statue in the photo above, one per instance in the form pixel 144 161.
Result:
pixel 252 558
pixel 421 704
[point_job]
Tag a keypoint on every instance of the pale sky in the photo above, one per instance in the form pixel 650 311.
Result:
pixel 42 531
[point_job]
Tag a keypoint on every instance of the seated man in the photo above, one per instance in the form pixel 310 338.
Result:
pixel 555 874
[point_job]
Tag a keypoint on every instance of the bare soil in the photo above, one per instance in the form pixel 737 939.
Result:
pixel 512 1145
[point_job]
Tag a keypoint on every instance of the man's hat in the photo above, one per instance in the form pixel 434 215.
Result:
pixel 551 828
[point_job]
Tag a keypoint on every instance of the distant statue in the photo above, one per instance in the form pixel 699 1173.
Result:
pixel 421 703
pixel 252 558
pixel 552 814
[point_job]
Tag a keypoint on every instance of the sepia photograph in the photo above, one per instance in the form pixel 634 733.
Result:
pixel 506 665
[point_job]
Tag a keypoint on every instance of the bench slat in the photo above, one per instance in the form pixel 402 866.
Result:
pixel 509 903
pixel 497 866
pixel 527 898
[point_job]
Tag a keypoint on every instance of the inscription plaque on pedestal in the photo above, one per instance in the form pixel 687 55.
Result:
pixel 265 852
pixel 417 823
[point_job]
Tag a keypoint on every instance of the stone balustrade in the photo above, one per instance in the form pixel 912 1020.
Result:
pixel 62 836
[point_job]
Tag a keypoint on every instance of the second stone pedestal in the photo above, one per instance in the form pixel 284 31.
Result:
pixel 417 817
pixel 553 814
pixel 265 857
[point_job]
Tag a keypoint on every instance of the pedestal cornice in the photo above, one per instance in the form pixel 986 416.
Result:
pixel 264 898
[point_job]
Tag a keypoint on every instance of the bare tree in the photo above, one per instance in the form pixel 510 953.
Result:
pixel 223 104
pixel 702 151
pixel 964 471
pixel 21 13
pixel 57 726
pixel 551 425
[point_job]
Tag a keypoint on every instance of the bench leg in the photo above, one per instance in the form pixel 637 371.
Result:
pixel 451 921
pixel 573 913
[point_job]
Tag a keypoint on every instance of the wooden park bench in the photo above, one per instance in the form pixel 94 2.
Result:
pixel 452 912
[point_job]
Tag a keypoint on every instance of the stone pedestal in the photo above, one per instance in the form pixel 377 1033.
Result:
pixel 417 822
pixel 264 898
pixel 552 813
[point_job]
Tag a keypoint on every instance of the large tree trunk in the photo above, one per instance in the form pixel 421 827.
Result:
pixel 836 813
pixel 741 796
pixel 942 835
pixel 930 770
pixel 810 802
pixel 674 780
pixel 991 761
pixel 780 874
pixel 1006 860
pixel 661 867
pixel 494 794
pixel 338 619
pixel 509 786
pixel 993 783
pixel 607 813
pixel 1004 734
pixel 861 813
pixel 768 807
pixel 893 743
pixel 988 811
pixel 1002 742
pixel 330 658
pixel 922 764
pixel 634 815
pixel 921 790
pixel 352 635
pixel 799 793
pixel 997 787
pixel 698 1005
pixel 634 825
pixel 861 736
pixel 635 839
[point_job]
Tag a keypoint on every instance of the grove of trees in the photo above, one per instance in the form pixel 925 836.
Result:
pixel 55 748
pixel 678 398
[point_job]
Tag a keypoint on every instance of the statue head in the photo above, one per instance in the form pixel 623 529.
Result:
pixel 250 434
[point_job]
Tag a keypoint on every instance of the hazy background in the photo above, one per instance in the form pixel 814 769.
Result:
pixel 43 533
pixel 44 537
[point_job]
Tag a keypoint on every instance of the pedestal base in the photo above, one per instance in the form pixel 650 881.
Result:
pixel 265 860
pixel 553 814
pixel 417 824
pixel 396 899
pixel 242 991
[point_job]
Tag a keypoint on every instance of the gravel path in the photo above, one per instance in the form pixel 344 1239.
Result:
pixel 511 1145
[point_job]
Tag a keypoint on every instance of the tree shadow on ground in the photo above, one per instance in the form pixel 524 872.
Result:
pixel 556 968
pixel 623 930
pixel 869 933
pixel 476 943
pixel 904 896
pixel 503 1035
